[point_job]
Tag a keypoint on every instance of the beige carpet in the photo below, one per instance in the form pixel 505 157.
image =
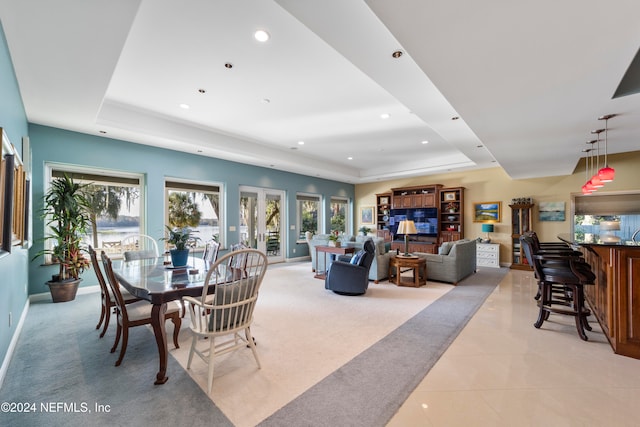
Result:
pixel 304 332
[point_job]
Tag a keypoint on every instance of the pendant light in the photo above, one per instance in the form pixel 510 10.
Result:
pixel 606 174
pixel 595 179
pixel 588 187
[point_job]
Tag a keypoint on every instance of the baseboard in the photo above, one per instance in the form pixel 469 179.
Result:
pixel 12 345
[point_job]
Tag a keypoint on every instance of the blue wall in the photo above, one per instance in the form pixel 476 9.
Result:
pixel 61 146
pixel 13 267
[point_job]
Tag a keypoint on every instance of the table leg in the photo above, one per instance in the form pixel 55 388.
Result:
pixel 157 321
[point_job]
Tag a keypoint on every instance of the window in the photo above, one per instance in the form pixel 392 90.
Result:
pixel 340 214
pixel 309 214
pixel 194 205
pixel 115 198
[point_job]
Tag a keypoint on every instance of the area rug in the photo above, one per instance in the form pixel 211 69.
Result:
pixel 369 389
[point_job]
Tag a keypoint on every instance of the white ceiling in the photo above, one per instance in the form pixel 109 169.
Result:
pixel 527 79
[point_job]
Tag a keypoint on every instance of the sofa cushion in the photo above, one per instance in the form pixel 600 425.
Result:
pixel 445 248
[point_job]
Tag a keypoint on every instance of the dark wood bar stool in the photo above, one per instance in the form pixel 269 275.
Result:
pixel 561 281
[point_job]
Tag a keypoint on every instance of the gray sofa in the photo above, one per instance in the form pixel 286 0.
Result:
pixel 379 267
pixel 455 261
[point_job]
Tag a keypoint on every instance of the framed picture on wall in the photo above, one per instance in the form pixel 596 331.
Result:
pixel 487 212
pixel 366 215
pixel 450 196
pixel 551 211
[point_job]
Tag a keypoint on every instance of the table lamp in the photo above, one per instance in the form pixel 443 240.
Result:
pixel 406 228
pixel 487 228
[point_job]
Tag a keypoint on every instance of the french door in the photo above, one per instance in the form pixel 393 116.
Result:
pixel 261 221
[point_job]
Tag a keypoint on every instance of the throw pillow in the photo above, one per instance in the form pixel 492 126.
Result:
pixel 445 248
pixel 355 260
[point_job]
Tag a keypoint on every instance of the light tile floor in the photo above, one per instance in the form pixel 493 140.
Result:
pixel 501 371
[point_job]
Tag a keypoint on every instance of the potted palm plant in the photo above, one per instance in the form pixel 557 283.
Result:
pixel 66 215
pixel 180 238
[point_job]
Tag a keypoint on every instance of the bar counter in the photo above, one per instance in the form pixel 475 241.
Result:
pixel 615 298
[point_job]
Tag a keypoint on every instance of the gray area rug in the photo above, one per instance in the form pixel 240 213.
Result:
pixel 370 389
pixel 67 374
pixel 59 360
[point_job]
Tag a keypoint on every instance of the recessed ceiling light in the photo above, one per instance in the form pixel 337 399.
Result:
pixel 349 158
pixel 300 142
pixel 425 142
pixel 184 106
pixel 228 65
pixel 397 54
pixel 455 117
pixel 261 36
pixel 385 115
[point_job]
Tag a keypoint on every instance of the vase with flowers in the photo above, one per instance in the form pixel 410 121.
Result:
pixel 334 238
pixel 452 207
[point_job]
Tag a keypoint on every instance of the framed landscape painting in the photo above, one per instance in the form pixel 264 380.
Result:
pixel 487 212
pixel 551 211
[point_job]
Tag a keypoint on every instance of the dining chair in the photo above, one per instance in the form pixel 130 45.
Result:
pixel 210 254
pixel 139 246
pixel 223 317
pixel 106 296
pixel 135 314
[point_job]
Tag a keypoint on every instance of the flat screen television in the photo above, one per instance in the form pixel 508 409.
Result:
pixel 426 220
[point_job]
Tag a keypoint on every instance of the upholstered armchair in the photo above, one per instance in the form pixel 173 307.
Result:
pixel 351 277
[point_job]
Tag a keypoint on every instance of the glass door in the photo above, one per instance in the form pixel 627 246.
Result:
pixel 261 221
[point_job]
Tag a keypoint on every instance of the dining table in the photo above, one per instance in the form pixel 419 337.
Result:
pixel 158 282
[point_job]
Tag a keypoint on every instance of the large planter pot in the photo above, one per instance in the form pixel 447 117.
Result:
pixel 179 257
pixel 64 291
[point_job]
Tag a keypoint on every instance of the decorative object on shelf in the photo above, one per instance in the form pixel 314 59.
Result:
pixel 384 200
pixel 452 207
pixel 522 201
pixel 407 227
pixel 551 211
pixel 487 228
pixel 450 195
pixel 487 212
pixel 366 215
pixel 452 218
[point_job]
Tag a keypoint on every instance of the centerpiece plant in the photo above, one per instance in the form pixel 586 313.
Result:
pixel 181 238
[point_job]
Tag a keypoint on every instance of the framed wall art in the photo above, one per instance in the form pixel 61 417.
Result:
pixel 366 215
pixel 551 211
pixel 487 212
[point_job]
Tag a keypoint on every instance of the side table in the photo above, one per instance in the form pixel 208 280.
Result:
pixel 416 264
pixel 329 250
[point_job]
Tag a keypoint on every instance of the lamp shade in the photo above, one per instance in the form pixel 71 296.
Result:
pixel 487 228
pixel 606 174
pixel 407 227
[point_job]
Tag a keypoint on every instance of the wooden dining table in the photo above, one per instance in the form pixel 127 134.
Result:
pixel 158 283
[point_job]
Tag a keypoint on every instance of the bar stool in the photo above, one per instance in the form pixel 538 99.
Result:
pixel 561 281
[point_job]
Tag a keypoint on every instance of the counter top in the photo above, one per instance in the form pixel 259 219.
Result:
pixel 598 240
